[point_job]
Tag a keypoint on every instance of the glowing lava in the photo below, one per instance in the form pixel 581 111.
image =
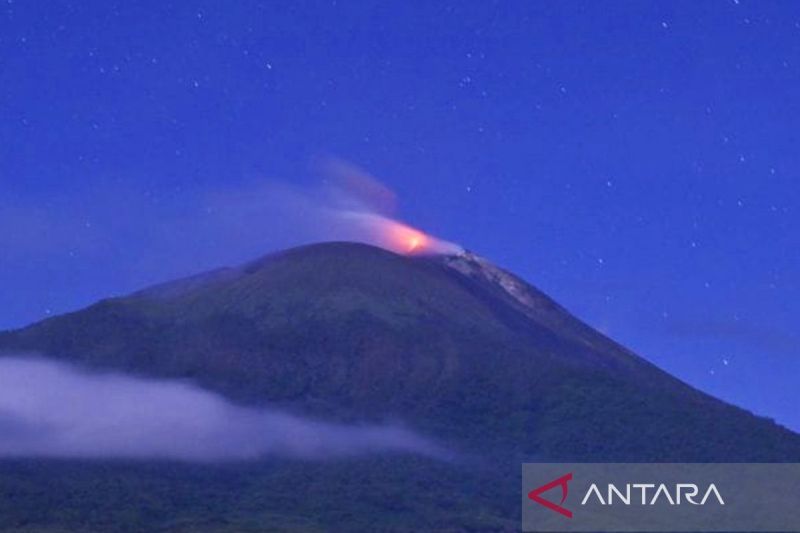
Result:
pixel 404 239
pixel 407 239
pixel 398 237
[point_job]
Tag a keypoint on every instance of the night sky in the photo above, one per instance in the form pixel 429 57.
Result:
pixel 638 161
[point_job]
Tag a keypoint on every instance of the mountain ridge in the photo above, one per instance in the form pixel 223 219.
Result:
pixel 356 332
pixel 451 346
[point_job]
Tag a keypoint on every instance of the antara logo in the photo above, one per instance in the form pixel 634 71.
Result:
pixel 648 494
pixel 536 495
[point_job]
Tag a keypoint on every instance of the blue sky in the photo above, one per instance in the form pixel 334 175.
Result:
pixel 637 161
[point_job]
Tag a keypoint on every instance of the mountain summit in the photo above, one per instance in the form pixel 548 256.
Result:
pixel 451 345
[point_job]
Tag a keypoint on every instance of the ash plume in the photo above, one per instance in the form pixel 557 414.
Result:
pixel 134 237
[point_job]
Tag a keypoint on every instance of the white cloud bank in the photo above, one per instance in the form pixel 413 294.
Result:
pixel 51 409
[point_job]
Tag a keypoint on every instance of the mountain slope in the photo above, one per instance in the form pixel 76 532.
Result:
pixel 451 345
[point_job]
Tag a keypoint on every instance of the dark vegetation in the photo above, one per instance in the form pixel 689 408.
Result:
pixel 353 333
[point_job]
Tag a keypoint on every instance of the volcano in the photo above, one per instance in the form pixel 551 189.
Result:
pixel 451 345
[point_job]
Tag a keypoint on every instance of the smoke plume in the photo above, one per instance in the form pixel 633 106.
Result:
pixel 117 238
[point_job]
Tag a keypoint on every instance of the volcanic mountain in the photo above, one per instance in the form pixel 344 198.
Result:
pixel 451 345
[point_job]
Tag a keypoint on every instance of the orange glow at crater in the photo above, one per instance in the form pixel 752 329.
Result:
pixel 407 239
pixel 399 237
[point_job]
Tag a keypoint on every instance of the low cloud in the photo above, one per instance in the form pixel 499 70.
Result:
pixel 52 409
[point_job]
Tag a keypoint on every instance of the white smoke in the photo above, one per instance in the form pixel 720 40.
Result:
pixel 51 409
pixel 117 238
pixel 357 206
